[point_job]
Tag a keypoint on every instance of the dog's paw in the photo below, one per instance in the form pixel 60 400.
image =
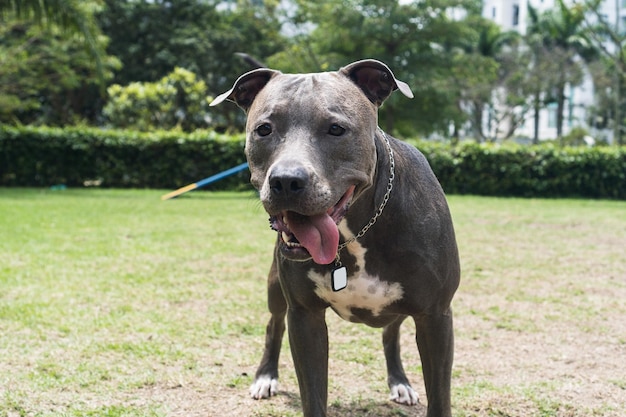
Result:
pixel 264 387
pixel 403 394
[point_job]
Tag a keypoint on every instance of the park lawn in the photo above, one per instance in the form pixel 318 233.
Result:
pixel 115 303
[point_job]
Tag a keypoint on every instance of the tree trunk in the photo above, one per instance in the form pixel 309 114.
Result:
pixel 617 124
pixel 478 121
pixel 536 109
pixel 617 79
pixel 455 134
pixel 560 109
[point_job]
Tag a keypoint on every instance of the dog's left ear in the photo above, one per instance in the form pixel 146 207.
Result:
pixel 375 79
pixel 246 88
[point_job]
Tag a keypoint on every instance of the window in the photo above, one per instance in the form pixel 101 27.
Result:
pixel 516 14
pixel 493 12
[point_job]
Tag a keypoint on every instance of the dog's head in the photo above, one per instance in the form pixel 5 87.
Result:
pixel 310 147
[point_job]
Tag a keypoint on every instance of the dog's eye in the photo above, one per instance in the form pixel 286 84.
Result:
pixel 336 130
pixel 264 130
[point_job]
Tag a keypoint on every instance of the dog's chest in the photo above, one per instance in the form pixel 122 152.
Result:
pixel 364 294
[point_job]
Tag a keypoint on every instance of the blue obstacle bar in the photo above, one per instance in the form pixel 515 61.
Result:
pixel 206 181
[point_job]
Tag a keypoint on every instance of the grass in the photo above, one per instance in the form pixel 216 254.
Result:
pixel 114 303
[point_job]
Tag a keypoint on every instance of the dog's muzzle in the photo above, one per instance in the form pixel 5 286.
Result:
pixel 316 236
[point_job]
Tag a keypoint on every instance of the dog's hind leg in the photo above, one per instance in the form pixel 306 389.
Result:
pixel 266 379
pixel 401 390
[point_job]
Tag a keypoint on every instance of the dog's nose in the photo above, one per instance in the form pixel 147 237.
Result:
pixel 287 181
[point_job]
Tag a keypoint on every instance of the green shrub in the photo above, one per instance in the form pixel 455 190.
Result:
pixel 178 100
pixel 529 171
pixel 115 158
pixel 576 137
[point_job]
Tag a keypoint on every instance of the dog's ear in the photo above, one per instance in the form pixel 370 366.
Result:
pixel 246 88
pixel 375 79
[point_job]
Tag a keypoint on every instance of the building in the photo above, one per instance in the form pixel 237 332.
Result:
pixel 513 15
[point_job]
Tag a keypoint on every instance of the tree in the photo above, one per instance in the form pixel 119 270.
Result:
pixel 610 40
pixel 413 38
pixel 47 76
pixel 153 37
pixel 482 78
pixel 563 32
pixel 541 73
pixel 74 16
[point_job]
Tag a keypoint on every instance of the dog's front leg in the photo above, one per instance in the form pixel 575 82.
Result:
pixel 266 379
pixel 435 342
pixel 308 337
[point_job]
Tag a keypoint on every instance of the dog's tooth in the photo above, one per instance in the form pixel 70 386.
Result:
pixel 285 237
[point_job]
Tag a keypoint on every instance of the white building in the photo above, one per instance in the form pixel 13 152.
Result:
pixel 513 15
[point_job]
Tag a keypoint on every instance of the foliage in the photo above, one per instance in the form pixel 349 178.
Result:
pixel 576 137
pixel 46 75
pixel 115 158
pixel 47 156
pixel 562 31
pixel 609 40
pixel 73 16
pixel 414 38
pixel 529 171
pixel 178 100
pixel 152 38
pixel 483 77
pixel 469 77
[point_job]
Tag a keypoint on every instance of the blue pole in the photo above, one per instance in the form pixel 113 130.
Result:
pixel 221 175
pixel 206 181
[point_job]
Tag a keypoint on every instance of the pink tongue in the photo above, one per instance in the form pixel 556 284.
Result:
pixel 318 234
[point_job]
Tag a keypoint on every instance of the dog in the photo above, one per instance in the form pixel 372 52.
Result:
pixel 362 223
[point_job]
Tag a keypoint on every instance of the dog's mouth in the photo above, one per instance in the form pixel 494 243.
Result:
pixel 317 236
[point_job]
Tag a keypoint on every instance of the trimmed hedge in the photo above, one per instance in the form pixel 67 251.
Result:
pixel 115 158
pixel 529 171
pixel 47 156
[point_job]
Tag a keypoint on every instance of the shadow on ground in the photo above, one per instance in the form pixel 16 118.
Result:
pixel 362 408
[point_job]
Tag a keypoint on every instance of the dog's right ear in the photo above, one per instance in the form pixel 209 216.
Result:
pixel 246 88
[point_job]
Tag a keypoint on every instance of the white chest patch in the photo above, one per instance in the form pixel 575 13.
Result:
pixel 364 291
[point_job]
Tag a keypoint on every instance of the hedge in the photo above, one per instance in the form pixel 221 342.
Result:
pixel 115 158
pixel 47 156
pixel 529 171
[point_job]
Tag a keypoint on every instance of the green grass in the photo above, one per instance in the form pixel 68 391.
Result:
pixel 114 303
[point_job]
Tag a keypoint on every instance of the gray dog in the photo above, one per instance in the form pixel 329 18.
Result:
pixel 363 227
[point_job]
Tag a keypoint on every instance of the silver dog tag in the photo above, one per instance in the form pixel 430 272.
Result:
pixel 339 278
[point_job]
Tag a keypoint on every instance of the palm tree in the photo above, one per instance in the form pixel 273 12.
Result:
pixel 72 15
pixel 563 31
pixel 609 38
pixel 484 50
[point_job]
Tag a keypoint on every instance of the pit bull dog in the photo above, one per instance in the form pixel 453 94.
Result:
pixel 363 227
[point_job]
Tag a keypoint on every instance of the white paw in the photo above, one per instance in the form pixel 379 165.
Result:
pixel 403 394
pixel 264 387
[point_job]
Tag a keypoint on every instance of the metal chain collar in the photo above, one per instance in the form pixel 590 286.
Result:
pixel 378 213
